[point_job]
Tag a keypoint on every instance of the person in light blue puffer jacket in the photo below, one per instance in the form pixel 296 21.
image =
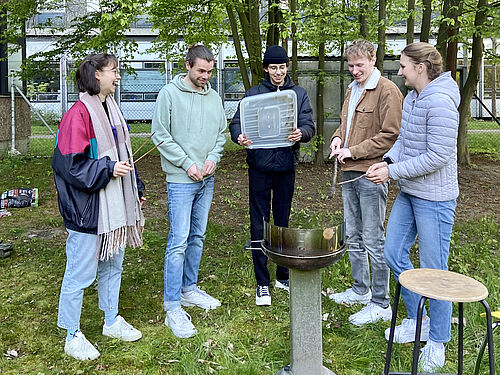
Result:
pixel 424 163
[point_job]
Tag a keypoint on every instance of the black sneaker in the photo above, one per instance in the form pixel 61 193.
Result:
pixel 262 296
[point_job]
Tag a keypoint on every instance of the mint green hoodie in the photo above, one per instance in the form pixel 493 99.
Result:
pixel 191 123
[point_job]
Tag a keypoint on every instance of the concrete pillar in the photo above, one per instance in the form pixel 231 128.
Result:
pixel 306 350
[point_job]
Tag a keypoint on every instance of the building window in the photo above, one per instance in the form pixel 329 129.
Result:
pixel 145 84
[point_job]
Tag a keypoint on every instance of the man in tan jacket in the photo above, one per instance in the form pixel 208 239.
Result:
pixel 369 125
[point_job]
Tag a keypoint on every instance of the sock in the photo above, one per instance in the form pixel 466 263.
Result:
pixel 70 334
pixel 438 345
pixel 110 317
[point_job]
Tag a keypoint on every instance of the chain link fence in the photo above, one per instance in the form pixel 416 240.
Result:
pixel 136 96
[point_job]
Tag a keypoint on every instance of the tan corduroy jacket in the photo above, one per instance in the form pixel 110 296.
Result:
pixel 374 127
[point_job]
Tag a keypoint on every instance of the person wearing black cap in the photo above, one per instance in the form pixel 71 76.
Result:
pixel 273 170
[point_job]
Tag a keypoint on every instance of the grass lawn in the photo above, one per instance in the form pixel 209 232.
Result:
pixel 238 337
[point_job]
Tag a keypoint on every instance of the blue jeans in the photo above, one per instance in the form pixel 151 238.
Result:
pixel 82 266
pixel 364 213
pixel 432 222
pixel 188 207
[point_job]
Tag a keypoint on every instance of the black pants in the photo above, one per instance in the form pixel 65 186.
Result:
pixel 260 186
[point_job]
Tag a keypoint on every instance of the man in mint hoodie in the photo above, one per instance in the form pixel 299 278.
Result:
pixel 190 121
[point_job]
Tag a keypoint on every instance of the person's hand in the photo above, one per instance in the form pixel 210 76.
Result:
pixel 342 154
pixel 121 168
pixel 334 145
pixel 142 200
pixel 243 140
pixel 295 136
pixel 208 168
pixel 194 173
pixel 378 173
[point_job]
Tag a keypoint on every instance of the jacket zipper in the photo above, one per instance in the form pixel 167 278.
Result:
pixel 87 205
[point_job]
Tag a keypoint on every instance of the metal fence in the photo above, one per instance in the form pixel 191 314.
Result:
pixel 137 101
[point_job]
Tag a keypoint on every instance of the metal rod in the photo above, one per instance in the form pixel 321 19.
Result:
pixel 136 151
pixel 34 109
pixel 148 152
pixel 13 114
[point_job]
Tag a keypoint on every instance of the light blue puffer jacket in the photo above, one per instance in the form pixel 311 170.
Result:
pixel 425 153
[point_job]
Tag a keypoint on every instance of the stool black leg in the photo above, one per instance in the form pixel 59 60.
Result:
pixel 460 338
pixel 416 344
pixel 393 327
pixel 489 331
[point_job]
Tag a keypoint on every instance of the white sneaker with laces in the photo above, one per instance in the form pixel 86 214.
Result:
pixel 122 330
pixel 350 297
pixel 80 348
pixel 371 313
pixel 432 357
pixel 405 332
pixel 199 298
pixel 179 322
pixel 283 284
pixel 262 296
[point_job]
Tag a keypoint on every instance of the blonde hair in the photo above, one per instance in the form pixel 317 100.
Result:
pixel 424 53
pixel 360 48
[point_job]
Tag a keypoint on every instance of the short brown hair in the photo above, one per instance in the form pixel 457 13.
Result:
pixel 197 51
pixel 425 53
pixel 85 74
pixel 360 48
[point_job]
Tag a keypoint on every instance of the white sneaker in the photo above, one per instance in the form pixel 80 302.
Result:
pixel 405 332
pixel 283 284
pixel 350 297
pixel 432 357
pixel 199 298
pixel 122 330
pixel 371 313
pixel 179 322
pixel 262 296
pixel 80 348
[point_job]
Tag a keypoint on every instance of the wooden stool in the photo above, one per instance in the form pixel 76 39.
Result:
pixel 443 286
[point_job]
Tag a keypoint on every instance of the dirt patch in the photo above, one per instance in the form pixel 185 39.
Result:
pixel 478 190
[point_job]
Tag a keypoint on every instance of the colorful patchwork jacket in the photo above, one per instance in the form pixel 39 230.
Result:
pixel 78 173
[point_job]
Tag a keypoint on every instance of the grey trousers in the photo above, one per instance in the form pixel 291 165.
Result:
pixel 364 213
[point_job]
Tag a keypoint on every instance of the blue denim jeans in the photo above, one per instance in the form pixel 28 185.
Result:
pixel 432 222
pixel 188 207
pixel 82 266
pixel 364 213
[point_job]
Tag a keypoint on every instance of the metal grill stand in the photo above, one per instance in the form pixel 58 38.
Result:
pixel 304 252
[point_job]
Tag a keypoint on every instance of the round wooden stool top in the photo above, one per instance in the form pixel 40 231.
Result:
pixel 443 285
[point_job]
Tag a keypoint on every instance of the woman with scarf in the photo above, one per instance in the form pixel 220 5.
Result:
pixel 424 163
pixel 100 201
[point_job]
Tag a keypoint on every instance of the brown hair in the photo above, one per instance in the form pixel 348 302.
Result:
pixel 197 51
pixel 424 53
pixel 85 74
pixel 360 48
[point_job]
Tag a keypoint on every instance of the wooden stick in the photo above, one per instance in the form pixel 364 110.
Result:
pixel 148 152
pixel 146 141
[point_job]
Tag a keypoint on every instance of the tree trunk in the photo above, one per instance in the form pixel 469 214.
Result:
pixel 381 35
pixel 295 68
pixel 452 50
pixel 237 46
pixel 410 22
pixel 471 83
pixel 320 90
pixel 363 21
pixel 426 20
pixel 442 41
pixel 320 106
pixel 250 26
